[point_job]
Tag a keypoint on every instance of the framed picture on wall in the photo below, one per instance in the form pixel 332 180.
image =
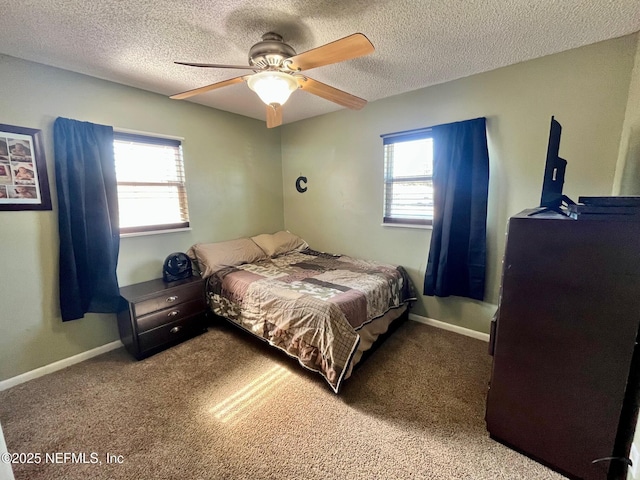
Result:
pixel 24 184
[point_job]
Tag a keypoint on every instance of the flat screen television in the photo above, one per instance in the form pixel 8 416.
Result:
pixel 552 198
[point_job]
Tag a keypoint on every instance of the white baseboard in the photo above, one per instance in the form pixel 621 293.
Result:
pixel 59 365
pixel 447 326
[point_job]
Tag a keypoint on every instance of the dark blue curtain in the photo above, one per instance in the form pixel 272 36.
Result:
pixel 457 255
pixel 87 219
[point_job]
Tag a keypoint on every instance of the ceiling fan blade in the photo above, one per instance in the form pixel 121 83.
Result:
pixel 330 93
pixel 274 115
pixel 216 65
pixel 353 46
pixel 207 88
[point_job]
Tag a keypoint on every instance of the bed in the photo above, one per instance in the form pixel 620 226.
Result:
pixel 323 309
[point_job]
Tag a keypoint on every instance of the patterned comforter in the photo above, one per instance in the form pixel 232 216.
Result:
pixel 310 304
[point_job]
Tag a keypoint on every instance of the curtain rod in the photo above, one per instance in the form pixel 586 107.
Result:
pixel 148 134
pixel 406 132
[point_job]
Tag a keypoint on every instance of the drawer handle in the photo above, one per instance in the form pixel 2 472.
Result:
pixel 173 313
pixel 172 298
pixel 176 329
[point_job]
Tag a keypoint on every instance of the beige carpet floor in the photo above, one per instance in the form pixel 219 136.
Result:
pixel 225 406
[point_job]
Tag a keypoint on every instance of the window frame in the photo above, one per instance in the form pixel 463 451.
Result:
pixel 163 140
pixel 391 139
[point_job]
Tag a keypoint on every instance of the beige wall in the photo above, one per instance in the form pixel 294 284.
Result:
pixel 341 155
pixel 628 173
pixel 234 183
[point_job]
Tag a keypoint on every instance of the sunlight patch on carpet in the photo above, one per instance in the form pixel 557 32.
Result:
pixel 249 394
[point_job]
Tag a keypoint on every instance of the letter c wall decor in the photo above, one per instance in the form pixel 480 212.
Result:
pixel 301 184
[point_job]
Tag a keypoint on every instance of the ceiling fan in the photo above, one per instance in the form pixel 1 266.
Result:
pixel 277 67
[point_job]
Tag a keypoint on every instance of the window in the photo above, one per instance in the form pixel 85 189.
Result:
pixel 151 183
pixel 408 178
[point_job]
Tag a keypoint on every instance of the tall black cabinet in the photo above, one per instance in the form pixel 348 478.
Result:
pixel 564 381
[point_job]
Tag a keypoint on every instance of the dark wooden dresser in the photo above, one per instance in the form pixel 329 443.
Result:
pixel 157 314
pixel 564 381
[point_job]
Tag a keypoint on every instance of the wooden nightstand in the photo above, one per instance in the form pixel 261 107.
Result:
pixel 157 314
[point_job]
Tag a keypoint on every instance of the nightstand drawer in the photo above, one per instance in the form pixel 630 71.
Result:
pixel 168 299
pixel 172 332
pixel 170 315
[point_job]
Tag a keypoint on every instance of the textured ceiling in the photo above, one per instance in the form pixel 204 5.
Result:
pixel 418 43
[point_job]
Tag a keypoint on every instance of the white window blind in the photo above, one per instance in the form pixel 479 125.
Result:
pixel 151 183
pixel 408 178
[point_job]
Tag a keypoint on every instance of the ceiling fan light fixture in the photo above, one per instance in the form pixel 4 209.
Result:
pixel 273 87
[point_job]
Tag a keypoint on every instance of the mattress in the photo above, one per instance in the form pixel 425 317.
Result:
pixel 323 309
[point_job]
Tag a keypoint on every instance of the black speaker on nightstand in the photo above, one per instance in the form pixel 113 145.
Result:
pixel 177 266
